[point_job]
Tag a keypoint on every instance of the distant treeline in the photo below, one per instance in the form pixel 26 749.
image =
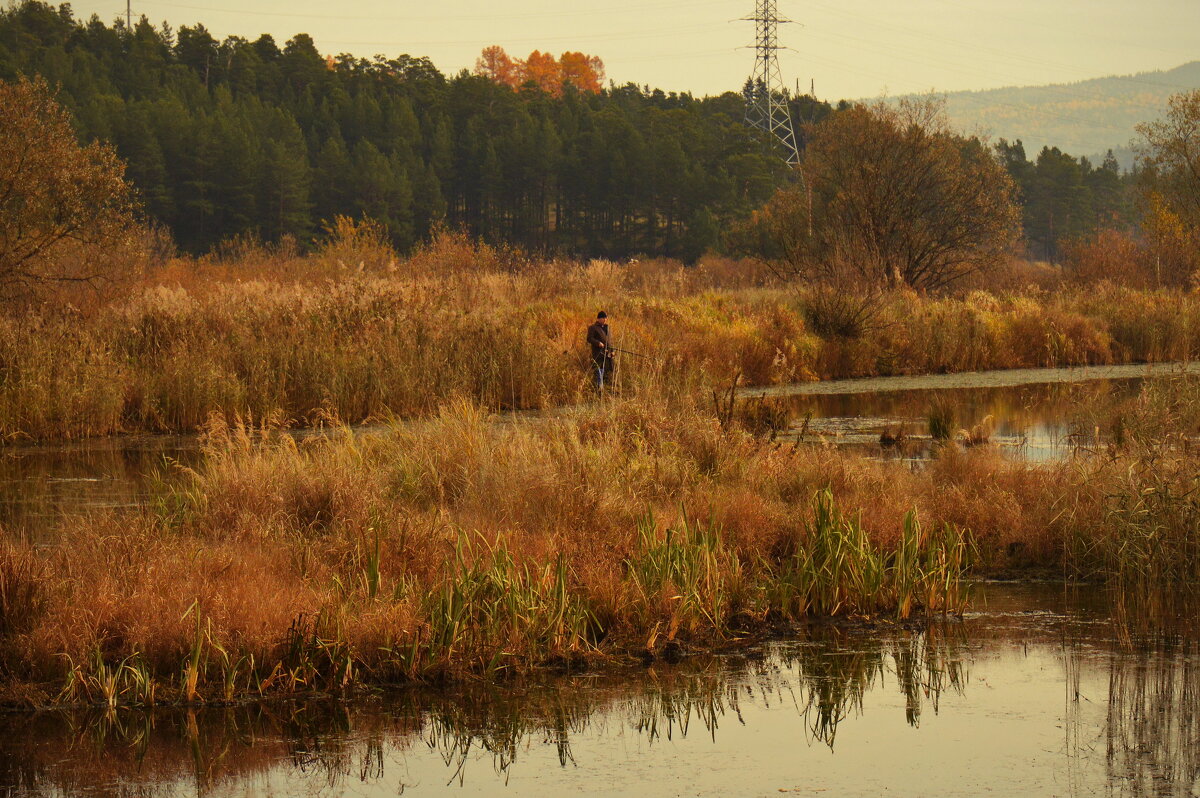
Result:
pixel 233 138
pixel 1065 198
pixel 239 137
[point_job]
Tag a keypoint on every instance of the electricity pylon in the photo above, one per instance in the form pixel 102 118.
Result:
pixel 766 95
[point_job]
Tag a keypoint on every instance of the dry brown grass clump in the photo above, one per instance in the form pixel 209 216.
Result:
pixel 468 544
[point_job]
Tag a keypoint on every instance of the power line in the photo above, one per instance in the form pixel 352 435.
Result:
pixel 766 93
pixel 640 33
pixel 578 12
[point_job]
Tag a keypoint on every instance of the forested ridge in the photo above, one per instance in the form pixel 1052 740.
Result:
pixel 1086 117
pixel 237 137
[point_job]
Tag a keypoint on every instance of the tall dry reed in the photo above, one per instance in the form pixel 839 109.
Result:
pixel 355 331
pixel 468 544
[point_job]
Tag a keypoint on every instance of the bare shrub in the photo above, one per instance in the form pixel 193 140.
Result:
pixel 1112 255
pixel 834 312
pixel 894 192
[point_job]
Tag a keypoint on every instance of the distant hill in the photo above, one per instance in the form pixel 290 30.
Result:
pixel 1085 118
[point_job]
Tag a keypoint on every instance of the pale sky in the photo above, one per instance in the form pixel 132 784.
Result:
pixel 850 48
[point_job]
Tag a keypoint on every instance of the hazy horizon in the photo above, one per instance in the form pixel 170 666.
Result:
pixel 852 49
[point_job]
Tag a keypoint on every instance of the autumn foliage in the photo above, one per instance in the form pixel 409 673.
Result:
pixel 1170 175
pixel 1116 256
pixel 66 212
pixel 890 195
pixel 543 70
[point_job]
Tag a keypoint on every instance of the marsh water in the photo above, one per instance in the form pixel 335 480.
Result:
pixel 1036 414
pixel 1037 692
pixel 1031 414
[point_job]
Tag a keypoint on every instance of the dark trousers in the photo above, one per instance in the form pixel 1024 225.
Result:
pixel 602 368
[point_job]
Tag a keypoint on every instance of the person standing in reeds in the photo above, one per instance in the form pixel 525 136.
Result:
pixel 602 354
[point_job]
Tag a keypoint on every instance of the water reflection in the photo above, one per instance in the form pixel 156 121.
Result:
pixel 1153 729
pixel 39 484
pixel 1034 422
pixel 954 708
pixel 1152 722
pixel 328 745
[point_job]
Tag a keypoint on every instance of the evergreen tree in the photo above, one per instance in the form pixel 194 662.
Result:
pixel 285 184
pixel 332 192
pixel 1065 198
pixel 241 137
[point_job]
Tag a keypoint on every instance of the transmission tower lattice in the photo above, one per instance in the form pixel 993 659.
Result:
pixel 766 95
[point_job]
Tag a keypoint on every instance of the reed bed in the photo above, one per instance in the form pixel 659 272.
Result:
pixel 469 544
pixel 468 541
pixel 359 333
pixel 456 546
pixel 1147 543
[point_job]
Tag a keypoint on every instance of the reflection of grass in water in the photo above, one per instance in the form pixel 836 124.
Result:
pixel 836 675
pixel 669 710
pixel 1153 705
pixel 836 686
pixel 333 742
pixel 500 723
pixel 1153 718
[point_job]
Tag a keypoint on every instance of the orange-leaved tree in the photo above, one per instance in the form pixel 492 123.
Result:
pixel 66 216
pixel 495 64
pixel 542 70
pixel 549 74
pixel 584 72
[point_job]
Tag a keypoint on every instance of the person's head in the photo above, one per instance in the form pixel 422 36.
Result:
pixel 602 317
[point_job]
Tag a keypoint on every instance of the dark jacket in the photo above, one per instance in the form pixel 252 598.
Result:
pixel 597 338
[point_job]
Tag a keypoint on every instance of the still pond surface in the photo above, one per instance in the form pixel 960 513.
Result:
pixel 1037 692
pixel 1031 414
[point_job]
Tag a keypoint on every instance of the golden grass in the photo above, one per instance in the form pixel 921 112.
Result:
pixel 357 332
pixel 459 542
pixel 467 544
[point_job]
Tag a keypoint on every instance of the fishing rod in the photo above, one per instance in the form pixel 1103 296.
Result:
pixel 635 354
